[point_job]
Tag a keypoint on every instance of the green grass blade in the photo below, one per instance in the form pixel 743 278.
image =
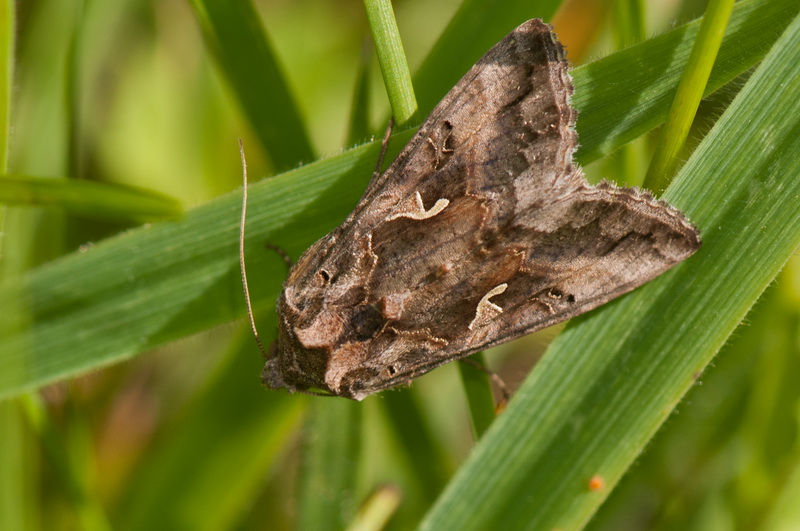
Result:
pixel 91 199
pixel 90 513
pixel 626 94
pixel 159 283
pixel 331 465
pixel 744 416
pixel 233 31
pixel 17 488
pixel 478 389
pixel 630 26
pixel 614 375
pixel 377 511
pixel 7 34
pixel 392 59
pixel 690 92
pixel 785 513
pixel 426 460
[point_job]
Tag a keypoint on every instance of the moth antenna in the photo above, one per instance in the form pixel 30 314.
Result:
pixel 498 382
pixel 384 147
pixel 241 253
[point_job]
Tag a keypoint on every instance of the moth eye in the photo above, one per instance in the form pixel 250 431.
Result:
pixel 391 370
pixel 356 381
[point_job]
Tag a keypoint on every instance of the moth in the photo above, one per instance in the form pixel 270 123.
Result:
pixel 482 230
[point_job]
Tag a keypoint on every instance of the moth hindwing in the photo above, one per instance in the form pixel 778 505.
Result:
pixel 482 230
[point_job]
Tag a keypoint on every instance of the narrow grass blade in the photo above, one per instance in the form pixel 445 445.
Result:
pixel 18 493
pixel 94 200
pixel 359 129
pixel 478 389
pixel 688 95
pixel 7 47
pixel 332 436
pixel 377 511
pixel 234 33
pixel 392 58
pixel 426 461
pixel 91 514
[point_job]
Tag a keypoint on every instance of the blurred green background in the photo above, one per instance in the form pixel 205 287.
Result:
pixel 130 380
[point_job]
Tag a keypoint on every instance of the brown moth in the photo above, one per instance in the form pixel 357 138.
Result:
pixel 482 230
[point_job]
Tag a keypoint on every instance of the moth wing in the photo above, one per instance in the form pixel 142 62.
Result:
pixel 548 265
pixel 508 115
pixel 577 254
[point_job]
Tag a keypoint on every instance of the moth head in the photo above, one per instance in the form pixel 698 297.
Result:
pixel 341 349
pixel 319 314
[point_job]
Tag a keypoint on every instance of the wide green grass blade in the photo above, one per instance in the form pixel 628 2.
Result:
pixel 743 417
pixel 158 283
pixel 162 282
pixel 233 31
pixel 97 200
pixel 614 375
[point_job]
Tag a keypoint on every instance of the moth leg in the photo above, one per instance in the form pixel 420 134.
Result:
pixel 496 380
pixel 384 147
pixel 282 253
